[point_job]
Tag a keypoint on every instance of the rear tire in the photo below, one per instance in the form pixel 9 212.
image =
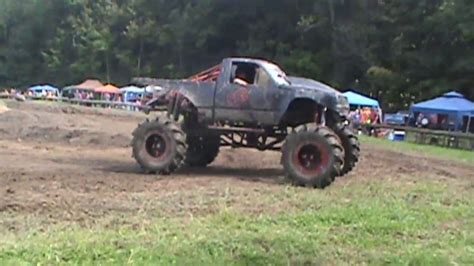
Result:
pixel 159 146
pixel 202 150
pixel 312 156
pixel 351 145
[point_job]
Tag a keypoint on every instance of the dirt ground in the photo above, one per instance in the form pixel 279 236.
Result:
pixel 66 163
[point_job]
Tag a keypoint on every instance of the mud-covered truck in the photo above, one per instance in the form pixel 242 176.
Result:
pixel 248 103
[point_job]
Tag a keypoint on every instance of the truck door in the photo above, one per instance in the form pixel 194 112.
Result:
pixel 247 95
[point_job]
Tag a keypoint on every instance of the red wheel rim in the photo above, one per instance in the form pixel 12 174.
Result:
pixel 156 145
pixel 311 158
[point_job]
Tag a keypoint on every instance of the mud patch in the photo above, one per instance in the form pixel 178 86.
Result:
pixel 57 123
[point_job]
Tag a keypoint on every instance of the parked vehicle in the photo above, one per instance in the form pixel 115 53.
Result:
pixel 399 119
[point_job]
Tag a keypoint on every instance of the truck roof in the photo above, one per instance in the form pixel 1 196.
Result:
pixel 212 73
pixel 251 59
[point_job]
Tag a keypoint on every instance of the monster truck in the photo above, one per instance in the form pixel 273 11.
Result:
pixel 248 103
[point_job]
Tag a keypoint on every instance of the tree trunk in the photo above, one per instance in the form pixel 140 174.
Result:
pixel 107 65
pixel 140 54
pixel 180 55
pixel 332 17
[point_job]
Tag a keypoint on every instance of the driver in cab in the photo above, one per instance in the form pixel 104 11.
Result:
pixel 241 78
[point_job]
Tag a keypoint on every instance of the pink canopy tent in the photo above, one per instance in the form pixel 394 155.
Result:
pixel 90 84
pixel 109 88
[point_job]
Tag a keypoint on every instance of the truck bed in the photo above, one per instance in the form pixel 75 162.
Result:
pixel 200 93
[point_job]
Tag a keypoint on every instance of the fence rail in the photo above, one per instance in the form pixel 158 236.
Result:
pixel 91 103
pixel 457 140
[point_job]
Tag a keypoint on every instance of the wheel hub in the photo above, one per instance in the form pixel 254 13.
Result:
pixel 155 145
pixel 311 158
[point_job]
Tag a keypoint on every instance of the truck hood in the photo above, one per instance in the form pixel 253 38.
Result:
pixel 304 83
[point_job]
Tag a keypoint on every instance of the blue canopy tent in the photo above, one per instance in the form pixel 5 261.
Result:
pixel 132 93
pixel 41 90
pixel 356 99
pixel 452 104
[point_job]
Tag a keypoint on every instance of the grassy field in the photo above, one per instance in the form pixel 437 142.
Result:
pixel 425 150
pixel 402 221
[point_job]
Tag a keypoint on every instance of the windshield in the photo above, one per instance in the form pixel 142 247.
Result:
pixel 277 74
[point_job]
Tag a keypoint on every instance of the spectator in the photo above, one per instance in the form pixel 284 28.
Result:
pixel 357 119
pixel 374 117
pixel 418 120
pixel 444 124
pixel 139 103
pixel 422 121
pixel 364 115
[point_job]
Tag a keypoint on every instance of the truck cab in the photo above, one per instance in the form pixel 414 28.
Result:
pixel 256 100
pixel 254 92
pixel 268 94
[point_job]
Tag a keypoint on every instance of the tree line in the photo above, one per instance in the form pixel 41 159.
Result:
pixel 399 51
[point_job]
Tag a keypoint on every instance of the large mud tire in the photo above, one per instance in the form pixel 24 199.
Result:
pixel 159 146
pixel 312 156
pixel 350 143
pixel 202 150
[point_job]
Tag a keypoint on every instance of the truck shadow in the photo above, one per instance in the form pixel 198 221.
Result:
pixel 273 175
pixel 266 175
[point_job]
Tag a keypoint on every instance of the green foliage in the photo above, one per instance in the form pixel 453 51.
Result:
pixel 398 51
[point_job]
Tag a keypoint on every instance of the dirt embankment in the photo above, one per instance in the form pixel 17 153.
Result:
pixel 66 124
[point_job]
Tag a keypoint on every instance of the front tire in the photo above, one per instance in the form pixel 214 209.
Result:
pixel 159 146
pixel 312 156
